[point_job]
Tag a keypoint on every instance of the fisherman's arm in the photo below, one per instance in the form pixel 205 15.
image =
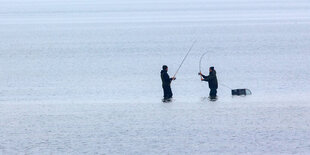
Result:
pixel 168 79
pixel 209 77
pixel 203 76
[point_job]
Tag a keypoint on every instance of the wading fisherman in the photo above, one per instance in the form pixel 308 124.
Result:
pixel 166 81
pixel 212 80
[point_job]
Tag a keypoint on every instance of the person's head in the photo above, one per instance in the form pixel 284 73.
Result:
pixel 165 67
pixel 211 69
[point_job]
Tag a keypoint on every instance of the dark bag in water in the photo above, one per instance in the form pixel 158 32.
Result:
pixel 241 92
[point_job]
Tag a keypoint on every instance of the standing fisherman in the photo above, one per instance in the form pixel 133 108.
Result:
pixel 212 80
pixel 166 81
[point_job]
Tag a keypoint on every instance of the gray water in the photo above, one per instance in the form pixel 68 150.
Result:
pixel 113 51
pixel 107 56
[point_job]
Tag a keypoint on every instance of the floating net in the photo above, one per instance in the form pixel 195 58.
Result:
pixel 241 92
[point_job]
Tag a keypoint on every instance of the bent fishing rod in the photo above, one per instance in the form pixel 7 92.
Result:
pixel 185 58
pixel 200 63
pixel 200 70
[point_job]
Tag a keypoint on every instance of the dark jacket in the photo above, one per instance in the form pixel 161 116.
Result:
pixel 212 79
pixel 165 78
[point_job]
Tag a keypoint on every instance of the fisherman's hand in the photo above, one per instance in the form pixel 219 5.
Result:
pixel 199 73
pixel 173 78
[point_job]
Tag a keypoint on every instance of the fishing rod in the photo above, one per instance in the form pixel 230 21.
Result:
pixel 201 60
pixel 200 63
pixel 200 70
pixel 185 58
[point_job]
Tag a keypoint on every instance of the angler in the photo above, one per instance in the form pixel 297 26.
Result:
pixel 166 82
pixel 212 80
